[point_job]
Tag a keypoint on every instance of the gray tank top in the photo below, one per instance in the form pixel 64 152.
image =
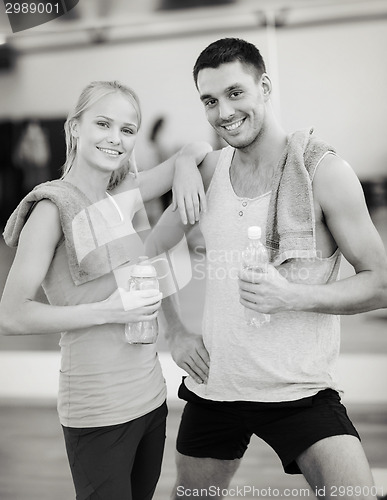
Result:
pixel 103 379
pixel 292 357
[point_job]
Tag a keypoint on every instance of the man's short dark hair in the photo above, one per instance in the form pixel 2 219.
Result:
pixel 227 50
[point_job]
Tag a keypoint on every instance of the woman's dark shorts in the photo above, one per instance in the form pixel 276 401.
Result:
pixel 117 461
pixel 222 430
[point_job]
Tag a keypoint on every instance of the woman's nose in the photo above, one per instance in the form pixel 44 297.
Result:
pixel 114 136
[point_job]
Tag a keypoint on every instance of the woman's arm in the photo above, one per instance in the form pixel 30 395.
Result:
pixel 21 314
pixel 187 187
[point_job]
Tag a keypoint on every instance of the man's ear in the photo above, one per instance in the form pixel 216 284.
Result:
pixel 266 85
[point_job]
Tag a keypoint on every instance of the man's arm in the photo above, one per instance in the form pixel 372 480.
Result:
pixel 338 191
pixel 187 348
pixel 340 195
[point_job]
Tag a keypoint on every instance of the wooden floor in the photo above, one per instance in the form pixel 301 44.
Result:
pixel 33 464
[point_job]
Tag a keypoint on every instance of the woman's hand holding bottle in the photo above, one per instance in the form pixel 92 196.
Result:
pixel 125 306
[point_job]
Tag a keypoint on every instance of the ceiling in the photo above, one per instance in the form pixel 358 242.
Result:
pixel 123 21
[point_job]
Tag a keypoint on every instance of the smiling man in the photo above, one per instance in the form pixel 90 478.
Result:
pixel 277 381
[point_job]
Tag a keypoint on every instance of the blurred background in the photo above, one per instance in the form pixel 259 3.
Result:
pixel 328 66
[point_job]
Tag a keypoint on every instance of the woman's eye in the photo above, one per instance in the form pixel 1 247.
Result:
pixel 102 124
pixel 128 131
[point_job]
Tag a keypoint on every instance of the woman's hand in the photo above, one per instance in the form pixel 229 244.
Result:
pixel 188 191
pixel 131 306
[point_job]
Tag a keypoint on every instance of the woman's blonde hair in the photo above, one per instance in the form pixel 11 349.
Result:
pixel 89 96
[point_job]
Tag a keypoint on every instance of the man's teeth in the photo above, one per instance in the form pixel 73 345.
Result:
pixel 110 151
pixel 234 125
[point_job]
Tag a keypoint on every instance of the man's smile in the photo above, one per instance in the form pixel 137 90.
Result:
pixel 233 126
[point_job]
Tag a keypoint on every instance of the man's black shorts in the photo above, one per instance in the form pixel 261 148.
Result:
pixel 222 430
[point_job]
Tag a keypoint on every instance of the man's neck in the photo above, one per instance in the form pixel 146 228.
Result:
pixel 253 168
pixel 265 152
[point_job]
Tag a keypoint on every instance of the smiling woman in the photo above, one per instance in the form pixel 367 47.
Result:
pixel 72 236
pixel 105 136
pixel 109 114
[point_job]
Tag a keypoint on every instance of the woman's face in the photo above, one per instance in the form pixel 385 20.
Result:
pixel 106 133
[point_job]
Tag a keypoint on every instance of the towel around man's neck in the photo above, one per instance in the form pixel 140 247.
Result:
pixel 73 205
pixel 290 230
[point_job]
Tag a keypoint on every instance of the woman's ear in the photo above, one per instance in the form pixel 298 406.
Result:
pixel 74 128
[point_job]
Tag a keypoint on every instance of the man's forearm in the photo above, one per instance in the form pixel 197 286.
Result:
pixel 170 306
pixel 363 292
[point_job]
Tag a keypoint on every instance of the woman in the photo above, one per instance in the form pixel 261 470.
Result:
pixel 74 236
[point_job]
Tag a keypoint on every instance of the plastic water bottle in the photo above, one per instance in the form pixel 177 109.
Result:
pixel 144 277
pixel 255 258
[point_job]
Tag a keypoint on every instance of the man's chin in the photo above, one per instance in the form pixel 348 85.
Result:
pixel 237 143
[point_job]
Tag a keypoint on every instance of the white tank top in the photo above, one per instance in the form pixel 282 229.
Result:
pixel 292 357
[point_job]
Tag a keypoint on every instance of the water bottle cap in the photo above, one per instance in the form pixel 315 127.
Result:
pixel 254 232
pixel 144 269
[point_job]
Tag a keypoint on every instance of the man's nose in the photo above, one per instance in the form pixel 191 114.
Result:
pixel 226 111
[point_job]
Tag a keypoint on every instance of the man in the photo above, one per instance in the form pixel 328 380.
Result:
pixel 278 381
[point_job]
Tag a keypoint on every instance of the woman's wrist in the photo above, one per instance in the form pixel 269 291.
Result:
pixel 98 313
pixel 196 151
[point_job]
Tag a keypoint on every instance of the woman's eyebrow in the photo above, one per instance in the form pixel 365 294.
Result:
pixel 111 119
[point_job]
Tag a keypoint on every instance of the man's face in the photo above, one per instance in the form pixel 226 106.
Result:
pixel 234 102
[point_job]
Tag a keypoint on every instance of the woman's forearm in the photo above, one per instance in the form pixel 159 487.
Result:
pixel 158 180
pixel 23 317
pixel 38 318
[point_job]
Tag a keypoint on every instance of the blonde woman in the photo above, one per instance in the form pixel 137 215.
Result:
pixel 72 235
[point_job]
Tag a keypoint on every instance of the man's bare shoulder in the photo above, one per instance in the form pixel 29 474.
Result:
pixel 336 184
pixel 334 174
pixel 208 166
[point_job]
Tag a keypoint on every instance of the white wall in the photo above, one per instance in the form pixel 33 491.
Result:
pixel 335 78
pixel 35 375
pixel 331 77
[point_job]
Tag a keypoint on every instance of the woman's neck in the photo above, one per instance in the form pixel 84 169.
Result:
pixel 92 184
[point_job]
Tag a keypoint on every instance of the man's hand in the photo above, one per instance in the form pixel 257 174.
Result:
pixel 266 292
pixel 189 353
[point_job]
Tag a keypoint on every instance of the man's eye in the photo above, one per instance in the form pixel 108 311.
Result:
pixel 237 93
pixel 210 104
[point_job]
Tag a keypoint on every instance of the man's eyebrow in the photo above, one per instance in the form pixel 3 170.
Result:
pixel 233 87
pixel 230 88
